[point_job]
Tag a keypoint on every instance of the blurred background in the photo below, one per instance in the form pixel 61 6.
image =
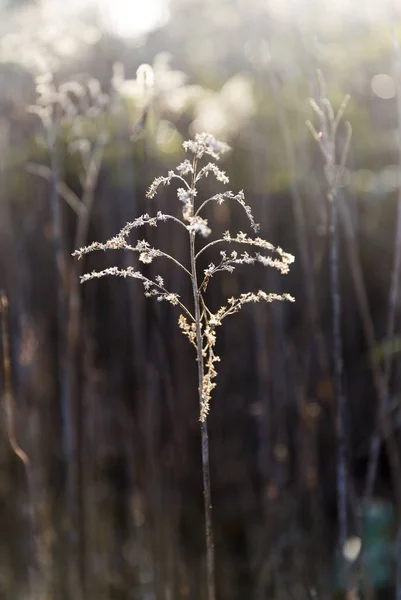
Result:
pixel 100 465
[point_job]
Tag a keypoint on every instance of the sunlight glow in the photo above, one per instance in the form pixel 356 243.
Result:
pixel 124 18
pixel 129 18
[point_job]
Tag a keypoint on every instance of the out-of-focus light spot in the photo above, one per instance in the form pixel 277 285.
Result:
pixel 129 88
pixel 256 409
pixel 65 46
pixel 131 18
pixel 389 178
pixel 223 113
pixel 167 137
pixel 124 18
pixel 383 86
pixel 362 180
pixel 352 548
pixel 211 117
pixel 281 452
pixel 92 35
pixel 272 491
pixel 183 98
pixel 237 94
pixel 312 409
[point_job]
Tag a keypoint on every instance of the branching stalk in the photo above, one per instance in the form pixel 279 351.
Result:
pixel 201 328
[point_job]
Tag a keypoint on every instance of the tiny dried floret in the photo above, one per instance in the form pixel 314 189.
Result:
pixel 205 143
pixel 145 257
pixel 199 225
pixel 212 168
pixel 185 168
pixel 152 191
pixel 187 197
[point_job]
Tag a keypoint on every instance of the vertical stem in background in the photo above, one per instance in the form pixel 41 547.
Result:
pixel 380 376
pixel 392 310
pixel 326 140
pixel 312 327
pixel 300 223
pixel 385 428
pixel 35 578
pixel 74 348
pixel 211 592
pixel 67 409
pixel 392 306
pixel 338 372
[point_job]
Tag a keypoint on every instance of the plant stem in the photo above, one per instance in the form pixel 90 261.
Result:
pixel 338 374
pixel 68 413
pixel 36 575
pixel 211 592
pixel 329 124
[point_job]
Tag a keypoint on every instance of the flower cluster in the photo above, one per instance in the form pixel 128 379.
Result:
pixel 152 191
pixel 286 258
pixel 199 225
pixel 119 241
pixel 240 198
pixel 209 336
pixel 227 263
pixel 189 330
pixel 187 197
pixel 212 168
pixel 146 252
pixel 201 328
pixel 153 288
pixel 205 143
pixel 185 168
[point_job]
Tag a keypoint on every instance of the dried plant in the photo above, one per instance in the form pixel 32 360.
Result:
pixel 198 323
pixel 77 114
pixel 326 139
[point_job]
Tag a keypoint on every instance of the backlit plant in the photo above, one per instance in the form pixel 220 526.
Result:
pixel 198 322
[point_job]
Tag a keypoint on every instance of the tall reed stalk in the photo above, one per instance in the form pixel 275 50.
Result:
pixel 326 139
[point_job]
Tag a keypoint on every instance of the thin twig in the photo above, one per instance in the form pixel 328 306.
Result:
pixel 63 190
